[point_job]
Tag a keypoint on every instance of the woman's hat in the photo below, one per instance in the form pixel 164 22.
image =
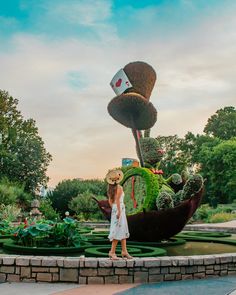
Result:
pixel 114 176
pixel 132 107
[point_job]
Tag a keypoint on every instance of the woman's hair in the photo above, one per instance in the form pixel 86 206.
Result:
pixel 111 191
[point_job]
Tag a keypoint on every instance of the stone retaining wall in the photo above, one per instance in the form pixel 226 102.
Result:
pixel 105 271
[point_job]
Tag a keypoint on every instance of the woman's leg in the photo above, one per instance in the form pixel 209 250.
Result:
pixel 123 246
pixel 113 246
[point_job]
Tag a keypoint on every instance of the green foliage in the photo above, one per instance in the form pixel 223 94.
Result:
pixel 176 178
pixel 23 156
pixel 84 205
pixel 150 148
pixel 192 186
pixel 205 212
pixel 178 198
pixel 13 193
pixel 218 166
pixel 151 185
pixel 48 234
pixel 222 124
pixel 164 200
pixel 174 158
pixel 6 228
pixel 47 209
pixel 221 217
pixel 9 212
pixel 66 190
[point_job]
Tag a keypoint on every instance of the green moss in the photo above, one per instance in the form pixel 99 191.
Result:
pixel 148 199
pixel 137 251
pixel 13 248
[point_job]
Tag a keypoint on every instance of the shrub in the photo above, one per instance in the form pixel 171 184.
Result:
pixel 47 209
pixel 192 186
pixel 84 205
pixel 9 212
pixel 178 198
pixel 221 217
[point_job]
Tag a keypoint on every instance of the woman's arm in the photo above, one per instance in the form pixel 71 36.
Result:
pixel 118 195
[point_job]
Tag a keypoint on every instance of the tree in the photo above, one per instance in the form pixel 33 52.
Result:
pixel 222 124
pixel 68 189
pixel 174 159
pixel 218 166
pixel 23 157
pixel 84 205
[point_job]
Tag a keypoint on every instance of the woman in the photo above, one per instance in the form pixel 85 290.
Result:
pixel 119 228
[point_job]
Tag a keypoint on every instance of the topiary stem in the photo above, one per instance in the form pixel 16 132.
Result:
pixel 139 152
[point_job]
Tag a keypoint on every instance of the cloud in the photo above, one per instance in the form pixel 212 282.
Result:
pixel 63 82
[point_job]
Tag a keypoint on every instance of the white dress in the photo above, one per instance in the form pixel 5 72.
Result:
pixel 119 227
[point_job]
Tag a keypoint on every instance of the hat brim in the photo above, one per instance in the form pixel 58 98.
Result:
pixel 114 179
pixel 133 111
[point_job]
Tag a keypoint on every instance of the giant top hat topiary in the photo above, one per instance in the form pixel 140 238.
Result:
pixel 132 108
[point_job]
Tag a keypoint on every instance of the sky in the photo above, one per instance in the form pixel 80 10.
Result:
pixel 57 57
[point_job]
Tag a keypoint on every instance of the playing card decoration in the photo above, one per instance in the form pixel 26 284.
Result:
pixel 133 86
pixel 120 82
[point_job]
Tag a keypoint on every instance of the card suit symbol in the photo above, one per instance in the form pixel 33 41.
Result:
pixel 118 83
pixel 127 83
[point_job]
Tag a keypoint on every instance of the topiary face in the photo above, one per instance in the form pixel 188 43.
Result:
pixel 151 151
pixel 176 178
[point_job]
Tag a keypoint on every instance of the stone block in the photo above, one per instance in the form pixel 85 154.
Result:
pixel 40 269
pixel 82 280
pixel 155 278
pixel 22 261
pixel 55 277
pixel 60 262
pixel 7 269
pixel 152 263
pixel 187 277
pixel 96 280
pixel 119 263
pixel 49 262
pixel 106 271
pixel 121 271
pixel 140 277
pixel 89 272
pixel 25 272
pixel 138 262
pixel 209 260
pixel 226 259
pixel 25 280
pixel 223 273
pixel 44 277
pixel 36 261
pixel 178 277
pixel 169 277
pixel 165 261
pixel 173 269
pixel 17 270
pixel 154 271
pixel 201 268
pixel 3 277
pixel 105 262
pixel 91 262
pixel 53 269
pixel 164 270
pixel 183 261
pixel 71 263
pixel 111 280
pixel 69 274
pixel 13 278
pixel 130 263
pixel 199 275
pixel 126 279
pixel 191 269
pixel 8 260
